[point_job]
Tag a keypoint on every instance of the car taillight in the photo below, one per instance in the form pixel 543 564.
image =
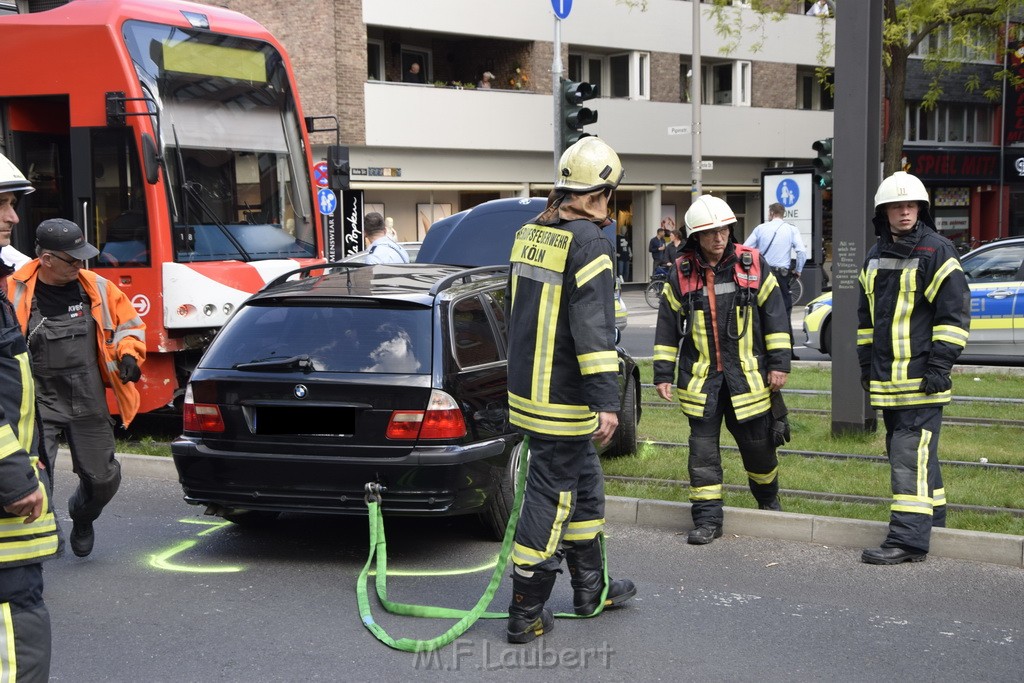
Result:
pixel 441 420
pixel 200 417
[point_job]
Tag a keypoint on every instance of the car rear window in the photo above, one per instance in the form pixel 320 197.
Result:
pixel 336 339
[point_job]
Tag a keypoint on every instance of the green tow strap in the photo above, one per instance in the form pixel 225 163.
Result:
pixel 378 550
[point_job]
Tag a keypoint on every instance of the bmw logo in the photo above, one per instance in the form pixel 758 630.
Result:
pixel 300 391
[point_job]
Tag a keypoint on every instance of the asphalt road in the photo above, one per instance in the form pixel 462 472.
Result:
pixel 169 595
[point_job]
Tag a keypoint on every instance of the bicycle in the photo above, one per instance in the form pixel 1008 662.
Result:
pixel 652 293
pixel 796 289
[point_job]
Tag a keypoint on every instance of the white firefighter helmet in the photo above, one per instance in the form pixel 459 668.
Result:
pixel 708 213
pixel 590 164
pixel 901 187
pixel 11 179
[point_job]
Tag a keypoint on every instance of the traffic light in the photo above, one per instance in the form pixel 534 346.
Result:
pixel 823 164
pixel 573 114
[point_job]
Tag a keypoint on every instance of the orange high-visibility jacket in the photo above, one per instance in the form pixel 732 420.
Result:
pixel 120 330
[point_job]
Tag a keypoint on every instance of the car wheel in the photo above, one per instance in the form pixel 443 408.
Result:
pixel 624 441
pixel 499 508
pixel 251 518
pixel 826 338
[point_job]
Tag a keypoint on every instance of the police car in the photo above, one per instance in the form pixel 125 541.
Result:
pixel 995 273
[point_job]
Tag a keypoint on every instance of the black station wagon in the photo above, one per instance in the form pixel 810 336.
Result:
pixel 393 374
pixel 337 375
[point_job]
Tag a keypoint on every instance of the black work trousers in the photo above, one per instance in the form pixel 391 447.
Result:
pixel 918 497
pixel 757 449
pixel 564 499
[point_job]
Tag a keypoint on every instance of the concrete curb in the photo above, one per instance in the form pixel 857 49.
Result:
pixel 977 546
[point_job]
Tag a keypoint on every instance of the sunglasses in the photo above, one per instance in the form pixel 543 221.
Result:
pixel 69 261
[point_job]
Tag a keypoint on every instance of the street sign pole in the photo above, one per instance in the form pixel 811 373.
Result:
pixel 561 9
pixel 696 188
pixel 556 90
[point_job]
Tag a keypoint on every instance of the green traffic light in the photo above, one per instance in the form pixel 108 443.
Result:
pixel 824 163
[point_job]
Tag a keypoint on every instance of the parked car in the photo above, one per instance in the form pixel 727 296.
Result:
pixel 995 274
pixel 328 379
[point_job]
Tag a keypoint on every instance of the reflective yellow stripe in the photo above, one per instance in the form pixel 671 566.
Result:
pixel 670 295
pixel 713 492
pixel 777 340
pixel 9 443
pixel 665 353
pixel 26 421
pixel 867 284
pixel 544 352
pixel 559 410
pixel 8 658
pixel 583 530
pixel 921 505
pixel 939 497
pixel 891 387
pixel 701 366
pixel 900 333
pixel 552 427
pixel 922 463
pixel 770 284
pixel 951 334
pixel 766 478
pixel 592 269
pixel 941 274
pixel 28 550
pixel 526 556
pixel 865 335
pixel 14 527
pixel 597 362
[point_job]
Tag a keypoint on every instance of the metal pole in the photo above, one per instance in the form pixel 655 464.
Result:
pixel 858 126
pixel 695 94
pixel 1002 131
pixel 556 90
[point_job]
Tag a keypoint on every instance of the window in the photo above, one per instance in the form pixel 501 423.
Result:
pixel 959 44
pixel 956 123
pixel 727 83
pixel 1000 264
pixel 416 65
pixel 120 199
pixel 626 75
pixel 812 93
pixel 375 60
pixel 473 337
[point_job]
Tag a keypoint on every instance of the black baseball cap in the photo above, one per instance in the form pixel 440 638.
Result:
pixel 60 234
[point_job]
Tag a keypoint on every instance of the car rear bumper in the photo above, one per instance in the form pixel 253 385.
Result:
pixel 431 480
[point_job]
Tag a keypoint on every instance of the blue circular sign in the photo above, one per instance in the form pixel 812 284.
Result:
pixel 561 7
pixel 788 192
pixel 327 200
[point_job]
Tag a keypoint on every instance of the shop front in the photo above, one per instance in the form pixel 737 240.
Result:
pixel 969 201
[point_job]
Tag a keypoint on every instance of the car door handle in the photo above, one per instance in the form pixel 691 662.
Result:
pixel 999 294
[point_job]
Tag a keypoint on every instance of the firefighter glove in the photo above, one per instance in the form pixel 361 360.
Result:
pixel 865 378
pixel 936 381
pixel 130 371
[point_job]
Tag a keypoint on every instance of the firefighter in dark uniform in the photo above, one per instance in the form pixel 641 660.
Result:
pixel 725 306
pixel 563 388
pixel 913 322
pixel 30 532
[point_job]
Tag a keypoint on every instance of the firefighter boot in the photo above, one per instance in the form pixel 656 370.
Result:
pixel 586 569
pixel 527 617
